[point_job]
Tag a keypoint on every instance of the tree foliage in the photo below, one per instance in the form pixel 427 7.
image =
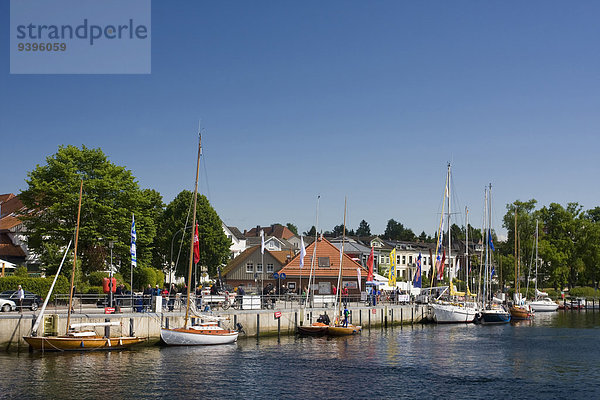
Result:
pixel 292 228
pixel 110 196
pixel 363 229
pixel 396 231
pixel 214 244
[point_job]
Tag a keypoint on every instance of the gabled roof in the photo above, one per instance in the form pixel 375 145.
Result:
pixel 236 232
pixel 9 222
pixel 277 230
pixel 239 260
pixel 6 197
pixel 324 249
pixel 282 256
pixel 10 205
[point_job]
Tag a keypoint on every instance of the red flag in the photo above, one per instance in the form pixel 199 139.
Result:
pixel 196 247
pixel 370 266
pixel 441 275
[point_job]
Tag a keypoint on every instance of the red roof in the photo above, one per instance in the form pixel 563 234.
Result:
pixel 324 249
pixel 277 230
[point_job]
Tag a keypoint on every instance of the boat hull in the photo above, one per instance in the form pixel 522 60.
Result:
pixel 69 343
pixel 490 317
pixel 339 330
pixel 520 313
pixel 543 306
pixel 316 329
pixel 452 314
pixel 191 337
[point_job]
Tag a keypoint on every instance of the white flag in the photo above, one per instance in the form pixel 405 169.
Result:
pixel 457 265
pixel 358 276
pixel 262 241
pixel 302 252
pixel 133 240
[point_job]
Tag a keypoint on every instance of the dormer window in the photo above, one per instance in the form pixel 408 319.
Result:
pixel 324 262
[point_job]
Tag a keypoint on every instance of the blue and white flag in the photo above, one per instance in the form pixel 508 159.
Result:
pixel 302 252
pixel 133 240
pixel 262 242
pixel 490 240
pixel 417 278
pixel 493 271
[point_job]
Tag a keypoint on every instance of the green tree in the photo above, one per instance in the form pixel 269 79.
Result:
pixel 110 196
pixel 396 231
pixel 338 230
pixel 214 244
pixel 311 232
pixel 363 229
pixel 292 228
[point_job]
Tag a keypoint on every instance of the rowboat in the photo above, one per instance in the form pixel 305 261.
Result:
pixel 340 330
pixel 315 329
pixel 206 333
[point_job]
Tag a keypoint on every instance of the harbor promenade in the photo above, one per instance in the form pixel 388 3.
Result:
pixel 255 323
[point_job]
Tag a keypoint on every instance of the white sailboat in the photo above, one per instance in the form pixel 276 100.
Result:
pixel 456 308
pixel 207 333
pixel 542 302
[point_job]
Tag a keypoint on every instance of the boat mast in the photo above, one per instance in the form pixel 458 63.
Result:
pixel 74 258
pixel 312 260
pixel 338 309
pixel 536 258
pixel 450 266
pixel 467 250
pixel 189 281
pixel 516 276
pixel 489 215
pixel 485 239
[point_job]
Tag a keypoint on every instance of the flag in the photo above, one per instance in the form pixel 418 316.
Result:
pixel 392 274
pixel 417 279
pixel 262 242
pixel 358 275
pixel 490 240
pixel 196 246
pixel 133 240
pixel 370 261
pixel 493 271
pixel 302 252
pixel 442 265
pixel 457 265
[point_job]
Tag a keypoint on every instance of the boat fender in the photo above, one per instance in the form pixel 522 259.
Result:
pixel 82 344
pixel 108 342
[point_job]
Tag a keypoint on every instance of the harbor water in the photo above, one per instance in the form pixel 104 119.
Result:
pixel 556 355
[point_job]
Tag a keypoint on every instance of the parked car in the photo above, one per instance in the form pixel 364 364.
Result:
pixel 31 300
pixel 7 305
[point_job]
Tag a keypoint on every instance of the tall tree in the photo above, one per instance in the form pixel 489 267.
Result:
pixel 110 197
pixel 311 232
pixel 363 229
pixel 396 231
pixel 214 244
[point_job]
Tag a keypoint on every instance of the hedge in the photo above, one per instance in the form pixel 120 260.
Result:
pixel 587 292
pixel 39 286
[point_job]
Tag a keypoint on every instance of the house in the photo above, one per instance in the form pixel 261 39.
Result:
pixel 353 248
pixel 277 230
pixel 272 243
pixel 238 241
pixel 13 240
pixel 326 268
pixel 247 268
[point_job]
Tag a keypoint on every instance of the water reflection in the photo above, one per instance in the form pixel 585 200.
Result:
pixel 553 356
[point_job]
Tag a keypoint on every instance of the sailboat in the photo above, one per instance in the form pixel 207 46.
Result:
pixel 206 333
pixel 518 311
pixel 542 302
pixel 340 328
pixel 451 310
pixel 492 312
pixel 316 328
pixel 76 338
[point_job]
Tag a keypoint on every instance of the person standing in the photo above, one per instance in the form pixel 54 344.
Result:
pixel 20 297
pixel 346 313
pixel 345 295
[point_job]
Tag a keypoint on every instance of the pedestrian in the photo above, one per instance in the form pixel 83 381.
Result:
pixel 334 290
pixel 240 295
pixel 345 295
pixel 118 295
pixel 20 297
pixel 172 296
pixel 147 294
pixel 346 313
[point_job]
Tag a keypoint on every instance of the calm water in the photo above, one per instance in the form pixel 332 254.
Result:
pixel 555 356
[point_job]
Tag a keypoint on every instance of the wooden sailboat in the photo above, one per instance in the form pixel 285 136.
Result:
pixel 316 328
pixel 341 327
pixel 206 333
pixel 518 311
pixel 75 338
pixel 451 310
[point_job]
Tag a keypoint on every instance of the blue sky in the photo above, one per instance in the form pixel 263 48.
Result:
pixel 368 100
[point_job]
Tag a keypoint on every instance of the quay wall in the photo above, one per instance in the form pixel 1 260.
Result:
pixel 255 323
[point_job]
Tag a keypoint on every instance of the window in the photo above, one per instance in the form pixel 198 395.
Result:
pixel 249 267
pixel 324 262
pixel 269 267
pixel 409 259
pixel 403 260
pixel 259 267
pixel 382 259
pixel 397 260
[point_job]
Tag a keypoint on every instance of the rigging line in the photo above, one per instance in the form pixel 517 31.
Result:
pixel 203 160
pixel 183 233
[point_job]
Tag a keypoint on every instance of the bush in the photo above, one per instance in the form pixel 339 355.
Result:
pixel 95 290
pixel 39 286
pixel 587 292
pixel 144 276
pixel 160 277
pixel 21 272
pixel 95 278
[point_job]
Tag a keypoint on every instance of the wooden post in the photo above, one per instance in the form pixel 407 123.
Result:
pixel 257 325
pixel 369 319
pixel 401 317
pixel 278 327
pixel 412 315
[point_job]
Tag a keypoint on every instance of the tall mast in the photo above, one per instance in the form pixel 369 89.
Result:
pixel 485 239
pixel 341 261
pixel 467 249
pixel 536 257
pixel 490 235
pixel 450 266
pixel 74 257
pixel 189 281
pixel 312 260
pixel 516 274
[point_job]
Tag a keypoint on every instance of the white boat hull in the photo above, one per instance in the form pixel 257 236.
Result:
pixel 543 306
pixel 450 313
pixel 174 337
